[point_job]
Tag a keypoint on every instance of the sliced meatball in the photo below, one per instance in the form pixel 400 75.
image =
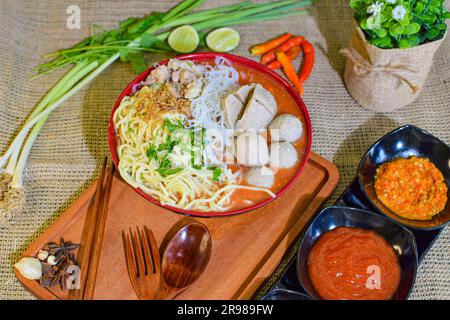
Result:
pixel 260 110
pixel 243 93
pixel 252 149
pixel 286 127
pixel 260 177
pixel 234 103
pixel 283 155
pixel 232 107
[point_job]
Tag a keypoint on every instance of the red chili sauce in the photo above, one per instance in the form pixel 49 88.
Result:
pixel 353 264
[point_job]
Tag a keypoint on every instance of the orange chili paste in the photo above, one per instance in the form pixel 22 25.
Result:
pixel 413 188
pixel 353 264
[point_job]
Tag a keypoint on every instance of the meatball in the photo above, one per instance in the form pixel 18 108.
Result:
pixel 283 155
pixel 260 177
pixel 252 149
pixel 286 127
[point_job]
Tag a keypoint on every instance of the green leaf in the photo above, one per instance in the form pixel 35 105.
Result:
pixel 125 23
pixel 404 44
pixel 414 40
pixel 148 41
pixel 138 61
pixel 142 24
pixel 162 45
pixel 404 22
pixel 373 22
pixel 433 33
pixel 396 29
pixel 123 55
pixel 419 8
pixel 381 32
pixel 384 42
pixel 442 26
pixel 428 18
pixel 363 24
pixel 354 4
pixel 435 6
pixel 412 28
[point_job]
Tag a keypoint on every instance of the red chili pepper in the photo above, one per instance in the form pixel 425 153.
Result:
pixel 289 70
pixel 292 54
pixel 285 47
pixel 269 45
pixel 308 61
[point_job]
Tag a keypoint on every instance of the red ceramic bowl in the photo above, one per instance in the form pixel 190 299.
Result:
pixel 207 56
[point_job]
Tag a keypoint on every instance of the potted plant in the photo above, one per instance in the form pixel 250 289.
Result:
pixel 392 50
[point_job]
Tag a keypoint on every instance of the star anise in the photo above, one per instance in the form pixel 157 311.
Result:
pixel 57 274
pixel 62 250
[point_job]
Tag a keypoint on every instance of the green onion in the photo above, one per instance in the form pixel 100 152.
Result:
pixel 167 172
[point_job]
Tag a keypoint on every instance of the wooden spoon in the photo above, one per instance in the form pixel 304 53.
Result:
pixel 184 259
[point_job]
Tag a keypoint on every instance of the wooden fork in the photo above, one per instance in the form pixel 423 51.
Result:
pixel 143 262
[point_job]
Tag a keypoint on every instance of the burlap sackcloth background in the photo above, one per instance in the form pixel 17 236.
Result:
pixel 68 153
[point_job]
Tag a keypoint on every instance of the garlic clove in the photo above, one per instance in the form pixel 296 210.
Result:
pixel 30 268
pixel 51 260
pixel 42 255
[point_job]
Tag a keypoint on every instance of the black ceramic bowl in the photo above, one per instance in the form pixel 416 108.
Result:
pixel 405 142
pixel 401 239
pixel 284 294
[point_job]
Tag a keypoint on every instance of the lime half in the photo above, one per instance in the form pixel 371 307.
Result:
pixel 223 39
pixel 184 39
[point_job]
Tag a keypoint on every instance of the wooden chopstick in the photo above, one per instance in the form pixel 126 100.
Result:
pixel 98 238
pixel 94 230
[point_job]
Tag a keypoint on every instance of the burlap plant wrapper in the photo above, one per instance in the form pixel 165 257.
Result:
pixel 384 80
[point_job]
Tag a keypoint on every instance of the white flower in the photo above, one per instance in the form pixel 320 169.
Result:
pixel 399 12
pixel 391 1
pixel 375 8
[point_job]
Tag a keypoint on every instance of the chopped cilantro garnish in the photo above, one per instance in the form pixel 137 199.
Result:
pixel 165 163
pixel 216 173
pixel 173 126
pixel 168 146
pixel 167 172
pixel 151 152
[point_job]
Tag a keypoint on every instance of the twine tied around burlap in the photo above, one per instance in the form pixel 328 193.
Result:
pixel 363 68
pixel 384 80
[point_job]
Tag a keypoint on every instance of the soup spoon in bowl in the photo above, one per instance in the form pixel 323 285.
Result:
pixel 184 259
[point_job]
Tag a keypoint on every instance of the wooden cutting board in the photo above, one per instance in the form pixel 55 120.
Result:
pixel 246 248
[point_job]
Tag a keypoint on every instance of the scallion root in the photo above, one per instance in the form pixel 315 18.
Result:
pixel 5 181
pixel 12 200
